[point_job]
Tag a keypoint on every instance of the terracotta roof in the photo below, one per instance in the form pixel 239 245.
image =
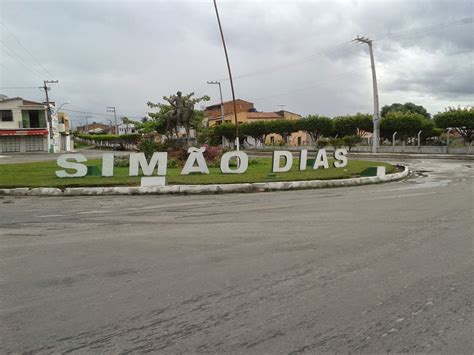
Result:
pixel 226 102
pixel 263 115
pixel 32 103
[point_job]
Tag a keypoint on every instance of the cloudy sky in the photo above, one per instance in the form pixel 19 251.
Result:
pixel 293 53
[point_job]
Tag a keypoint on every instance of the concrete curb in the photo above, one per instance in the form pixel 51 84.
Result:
pixel 205 189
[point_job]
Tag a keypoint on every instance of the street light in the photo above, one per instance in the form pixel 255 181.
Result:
pixel 60 106
pixel 222 104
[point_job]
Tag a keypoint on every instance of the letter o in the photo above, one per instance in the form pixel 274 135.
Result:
pixel 242 166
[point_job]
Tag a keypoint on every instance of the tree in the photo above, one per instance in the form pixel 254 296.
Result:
pixel 364 123
pixel 406 107
pixel 351 141
pixel 226 130
pixel 257 130
pixel 283 127
pixel 461 119
pixel 345 126
pixel 316 126
pixel 406 124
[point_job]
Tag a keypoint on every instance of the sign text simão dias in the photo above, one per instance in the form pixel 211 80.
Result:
pixel 282 162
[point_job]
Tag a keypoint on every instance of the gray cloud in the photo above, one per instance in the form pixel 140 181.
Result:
pixel 125 53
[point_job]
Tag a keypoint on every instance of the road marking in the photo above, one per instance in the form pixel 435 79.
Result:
pixel 401 196
pixel 50 215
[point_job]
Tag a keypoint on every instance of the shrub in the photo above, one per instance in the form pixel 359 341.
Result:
pixel 148 146
pixel 336 143
pixel 322 143
pixel 351 141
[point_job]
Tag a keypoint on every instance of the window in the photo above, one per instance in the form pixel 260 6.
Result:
pixel 6 116
pixel 34 119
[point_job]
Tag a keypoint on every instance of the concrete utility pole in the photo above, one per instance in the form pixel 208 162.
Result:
pixel 87 124
pixel 50 120
pixel 112 109
pixel 230 75
pixel 376 117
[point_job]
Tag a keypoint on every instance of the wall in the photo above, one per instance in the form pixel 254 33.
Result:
pixel 414 149
pixel 242 106
pixel 14 106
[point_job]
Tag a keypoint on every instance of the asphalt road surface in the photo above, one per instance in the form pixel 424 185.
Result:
pixel 379 268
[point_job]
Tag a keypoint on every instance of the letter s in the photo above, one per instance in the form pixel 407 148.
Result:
pixel 81 169
pixel 340 158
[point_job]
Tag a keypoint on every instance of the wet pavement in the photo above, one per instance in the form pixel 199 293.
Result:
pixel 370 269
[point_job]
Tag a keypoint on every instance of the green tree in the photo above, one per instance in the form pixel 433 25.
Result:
pixel 257 130
pixel 283 127
pixel 363 122
pixel 345 126
pixel 406 124
pixel 351 141
pixel 316 126
pixel 461 119
pixel 406 107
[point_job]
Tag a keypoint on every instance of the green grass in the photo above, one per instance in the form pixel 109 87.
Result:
pixel 42 174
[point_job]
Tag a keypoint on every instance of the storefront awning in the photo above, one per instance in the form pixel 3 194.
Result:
pixel 23 132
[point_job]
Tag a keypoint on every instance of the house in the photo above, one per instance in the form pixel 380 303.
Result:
pixel 23 126
pixel 62 132
pixel 246 113
pixel 126 128
pixel 94 128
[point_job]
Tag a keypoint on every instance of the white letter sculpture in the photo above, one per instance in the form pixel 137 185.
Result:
pixel 321 159
pixel 108 164
pixel 195 156
pixel 277 154
pixel 139 159
pixel 303 159
pixel 242 164
pixel 81 169
pixel 340 158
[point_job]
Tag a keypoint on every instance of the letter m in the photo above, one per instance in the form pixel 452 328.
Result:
pixel 159 159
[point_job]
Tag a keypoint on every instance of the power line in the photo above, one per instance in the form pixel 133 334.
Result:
pixel 20 87
pixel 26 50
pixel 11 53
pixel 320 84
pixel 343 48
pixel 100 114
pixel 426 29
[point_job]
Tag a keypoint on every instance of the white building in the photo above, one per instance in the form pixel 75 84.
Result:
pixel 23 126
pixel 128 128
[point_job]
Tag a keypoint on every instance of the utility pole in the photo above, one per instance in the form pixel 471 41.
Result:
pixel 230 75
pixel 222 101
pixel 87 124
pixel 376 117
pixel 281 107
pixel 48 110
pixel 112 109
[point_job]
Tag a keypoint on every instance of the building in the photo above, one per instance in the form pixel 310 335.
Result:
pixel 94 128
pixel 23 126
pixel 246 113
pixel 126 128
pixel 62 132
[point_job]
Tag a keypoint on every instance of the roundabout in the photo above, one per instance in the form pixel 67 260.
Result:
pixel 197 176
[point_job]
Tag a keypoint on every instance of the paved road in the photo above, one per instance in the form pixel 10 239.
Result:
pixel 380 268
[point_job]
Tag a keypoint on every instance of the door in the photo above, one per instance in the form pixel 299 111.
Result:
pixel 10 144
